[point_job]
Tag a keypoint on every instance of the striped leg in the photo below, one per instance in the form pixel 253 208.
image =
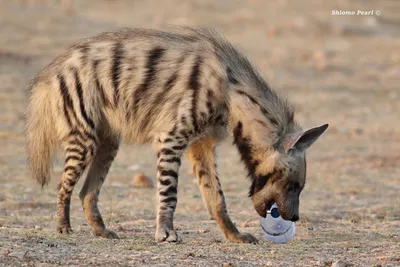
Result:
pixel 202 156
pixel 168 163
pixel 97 173
pixel 79 148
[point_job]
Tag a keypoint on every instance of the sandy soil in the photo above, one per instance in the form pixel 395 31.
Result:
pixel 344 70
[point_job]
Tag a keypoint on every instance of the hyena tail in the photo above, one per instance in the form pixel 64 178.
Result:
pixel 40 132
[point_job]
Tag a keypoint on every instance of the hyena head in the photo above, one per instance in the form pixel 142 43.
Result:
pixel 281 177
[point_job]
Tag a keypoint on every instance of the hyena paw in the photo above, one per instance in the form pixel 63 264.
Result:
pixel 243 238
pixel 165 234
pixel 106 233
pixel 64 229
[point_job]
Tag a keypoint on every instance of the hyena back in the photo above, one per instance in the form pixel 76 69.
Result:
pixel 180 91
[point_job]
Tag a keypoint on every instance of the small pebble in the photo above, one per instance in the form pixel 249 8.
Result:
pixel 201 230
pixel 245 224
pixel 357 131
pixel 135 167
pixel 380 216
pixel 355 220
pixel 117 227
pixel 319 55
pixel 339 263
pixel 37 227
pixel 142 181
pixel 272 30
pixel 17 254
pixel 320 59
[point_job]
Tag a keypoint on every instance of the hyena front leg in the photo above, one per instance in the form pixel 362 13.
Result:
pixel 108 148
pixel 168 163
pixel 202 156
pixel 79 149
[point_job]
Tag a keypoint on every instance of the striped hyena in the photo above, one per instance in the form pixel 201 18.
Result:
pixel 181 91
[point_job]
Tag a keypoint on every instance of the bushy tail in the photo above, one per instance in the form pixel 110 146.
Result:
pixel 40 133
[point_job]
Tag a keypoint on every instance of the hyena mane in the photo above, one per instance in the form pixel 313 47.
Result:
pixel 185 90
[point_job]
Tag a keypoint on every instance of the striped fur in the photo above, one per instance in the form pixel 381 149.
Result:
pixel 180 91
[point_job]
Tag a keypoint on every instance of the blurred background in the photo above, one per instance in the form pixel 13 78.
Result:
pixel 338 69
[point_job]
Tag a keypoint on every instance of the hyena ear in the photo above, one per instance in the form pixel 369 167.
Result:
pixel 300 141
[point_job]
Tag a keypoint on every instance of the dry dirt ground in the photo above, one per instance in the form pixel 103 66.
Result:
pixel 342 70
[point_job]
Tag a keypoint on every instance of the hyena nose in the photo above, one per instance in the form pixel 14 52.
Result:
pixel 295 218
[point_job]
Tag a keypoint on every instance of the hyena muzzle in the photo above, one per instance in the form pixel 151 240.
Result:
pixel 182 91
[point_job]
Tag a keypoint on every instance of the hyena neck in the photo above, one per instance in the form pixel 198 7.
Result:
pixel 258 122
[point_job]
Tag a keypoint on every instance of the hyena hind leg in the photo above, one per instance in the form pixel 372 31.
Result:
pixel 79 150
pixel 101 163
pixel 202 156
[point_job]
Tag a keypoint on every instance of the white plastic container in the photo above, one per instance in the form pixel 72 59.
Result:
pixel 275 228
